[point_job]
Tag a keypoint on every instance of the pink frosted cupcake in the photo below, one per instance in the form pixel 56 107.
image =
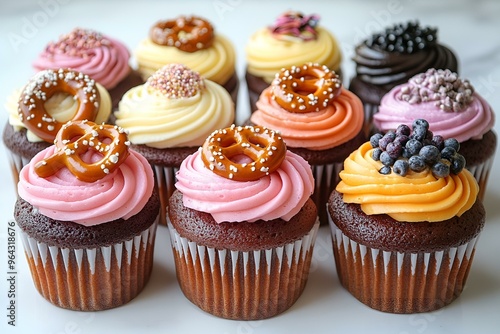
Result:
pixel 101 57
pixel 318 119
pixel 453 110
pixel 242 224
pixel 87 214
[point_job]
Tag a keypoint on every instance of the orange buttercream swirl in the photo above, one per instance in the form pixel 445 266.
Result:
pixel 413 198
pixel 329 127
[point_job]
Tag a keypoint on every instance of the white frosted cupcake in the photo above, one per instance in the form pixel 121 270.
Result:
pixel 170 116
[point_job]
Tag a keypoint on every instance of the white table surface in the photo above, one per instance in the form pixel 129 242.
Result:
pixel 471 28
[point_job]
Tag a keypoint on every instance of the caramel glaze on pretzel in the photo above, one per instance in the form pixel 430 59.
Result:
pixel 188 34
pixel 223 150
pixel 43 86
pixel 77 137
pixel 305 88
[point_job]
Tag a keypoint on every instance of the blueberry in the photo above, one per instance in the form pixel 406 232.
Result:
pixel 429 135
pixel 386 139
pixel 386 159
pixel 431 154
pixel 401 139
pixel 394 150
pixel 413 146
pixel 375 138
pixel 386 170
pixel 452 142
pixel 448 153
pixel 403 130
pixel 420 123
pixel 440 169
pixel 401 167
pixel 376 153
pixel 417 163
pixel 419 133
pixel 457 164
pixel 438 141
pixel 405 153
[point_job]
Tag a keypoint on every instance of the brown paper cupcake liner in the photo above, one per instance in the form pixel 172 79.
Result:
pixel 481 173
pixel 165 182
pixel 326 178
pixel 94 278
pixel 243 285
pixel 401 282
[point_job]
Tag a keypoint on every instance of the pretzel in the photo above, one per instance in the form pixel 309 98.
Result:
pixel 188 34
pixel 76 138
pixel 307 88
pixel 223 150
pixel 43 86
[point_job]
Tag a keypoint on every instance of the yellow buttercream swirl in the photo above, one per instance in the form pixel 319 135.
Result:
pixel 216 63
pixel 267 55
pixel 60 106
pixel 413 198
pixel 153 119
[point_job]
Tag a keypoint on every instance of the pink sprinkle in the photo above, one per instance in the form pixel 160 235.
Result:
pixel 176 81
pixel 78 42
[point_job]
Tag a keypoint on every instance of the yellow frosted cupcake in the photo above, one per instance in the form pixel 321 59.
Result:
pixel 170 116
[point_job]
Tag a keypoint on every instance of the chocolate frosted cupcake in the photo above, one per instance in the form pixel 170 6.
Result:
pixel 192 41
pixel 318 119
pixel 293 39
pixel 169 117
pixel 453 109
pixel 104 59
pixel 87 215
pixel 405 224
pixel 49 99
pixel 392 57
pixel 242 224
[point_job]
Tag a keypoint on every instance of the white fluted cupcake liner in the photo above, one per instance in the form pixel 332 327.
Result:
pixel 165 182
pixel 481 173
pixel 401 282
pixel 91 279
pixel 16 163
pixel 326 178
pixel 243 285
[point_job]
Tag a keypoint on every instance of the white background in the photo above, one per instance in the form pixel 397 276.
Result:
pixel 470 28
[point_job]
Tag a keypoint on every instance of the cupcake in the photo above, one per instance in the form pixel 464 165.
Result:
pixel 192 41
pixel 49 99
pixel 318 119
pixel 404 230
pixel 242 224
pixel 87 214
pixel 293 39
pixel 392 57
pixel 101 57
pixel 169 117
pixel 453 109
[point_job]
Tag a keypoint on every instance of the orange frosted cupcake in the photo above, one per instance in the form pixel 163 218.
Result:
pixel 404 228
pixel 317 118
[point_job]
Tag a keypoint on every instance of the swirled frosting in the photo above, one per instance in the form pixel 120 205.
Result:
pixel 280 194
pixel 267 55
pixel 60 106
pixel 153 119
pixel 102 58
pixel 216 63
pixel 472 122
pixel 62 196
pixel 332 126
pixel 415 197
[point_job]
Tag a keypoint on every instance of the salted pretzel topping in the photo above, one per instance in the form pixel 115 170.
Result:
pixel 187 33
pixel 305 88
pixel 243 153
pixel 43 86
pixel 77 137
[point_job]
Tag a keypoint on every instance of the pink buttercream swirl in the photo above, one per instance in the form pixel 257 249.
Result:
pixel 471 122
pixel 102 58
pixel 296 24
pixel 280 194
pixel 121 194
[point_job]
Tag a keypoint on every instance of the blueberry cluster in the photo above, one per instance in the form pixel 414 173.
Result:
pixel 416 149
pixel 407 37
